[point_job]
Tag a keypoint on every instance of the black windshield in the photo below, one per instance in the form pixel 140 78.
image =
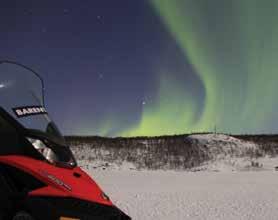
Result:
pixel 21 95
pixel 22 98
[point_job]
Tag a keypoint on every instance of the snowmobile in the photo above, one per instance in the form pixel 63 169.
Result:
pixel 39 176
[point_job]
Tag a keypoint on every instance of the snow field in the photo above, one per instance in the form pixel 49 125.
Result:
pixel 168 195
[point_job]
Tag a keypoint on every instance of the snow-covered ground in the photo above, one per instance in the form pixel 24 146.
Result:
pixel 169 195
pixel 210 152
pixel 218 188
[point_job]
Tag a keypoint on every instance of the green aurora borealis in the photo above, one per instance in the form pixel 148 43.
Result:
pixel 233 47
pixel 150 67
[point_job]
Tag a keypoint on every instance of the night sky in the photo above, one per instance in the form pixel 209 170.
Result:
pixel 150 67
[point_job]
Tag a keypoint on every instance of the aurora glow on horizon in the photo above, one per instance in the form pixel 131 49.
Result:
pixel 152 67
pixel 235 59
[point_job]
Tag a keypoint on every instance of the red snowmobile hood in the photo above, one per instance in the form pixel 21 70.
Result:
pixel 60 182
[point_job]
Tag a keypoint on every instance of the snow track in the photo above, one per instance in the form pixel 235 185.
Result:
pixel 167 195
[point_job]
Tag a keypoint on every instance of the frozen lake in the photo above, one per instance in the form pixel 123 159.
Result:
pixel 169 195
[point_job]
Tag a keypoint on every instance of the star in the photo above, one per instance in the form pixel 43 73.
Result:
pixel 100 76
pixel 66 11
pixel 44 30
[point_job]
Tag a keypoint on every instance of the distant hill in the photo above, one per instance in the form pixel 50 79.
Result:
pixel 182 152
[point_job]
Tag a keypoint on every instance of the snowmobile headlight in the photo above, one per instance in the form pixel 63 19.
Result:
pixel 45 151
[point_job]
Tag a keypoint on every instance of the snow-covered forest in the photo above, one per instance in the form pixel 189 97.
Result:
pixel 188 152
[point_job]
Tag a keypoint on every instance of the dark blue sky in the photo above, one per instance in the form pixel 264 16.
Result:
pixel 150 67
pixel 99 58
